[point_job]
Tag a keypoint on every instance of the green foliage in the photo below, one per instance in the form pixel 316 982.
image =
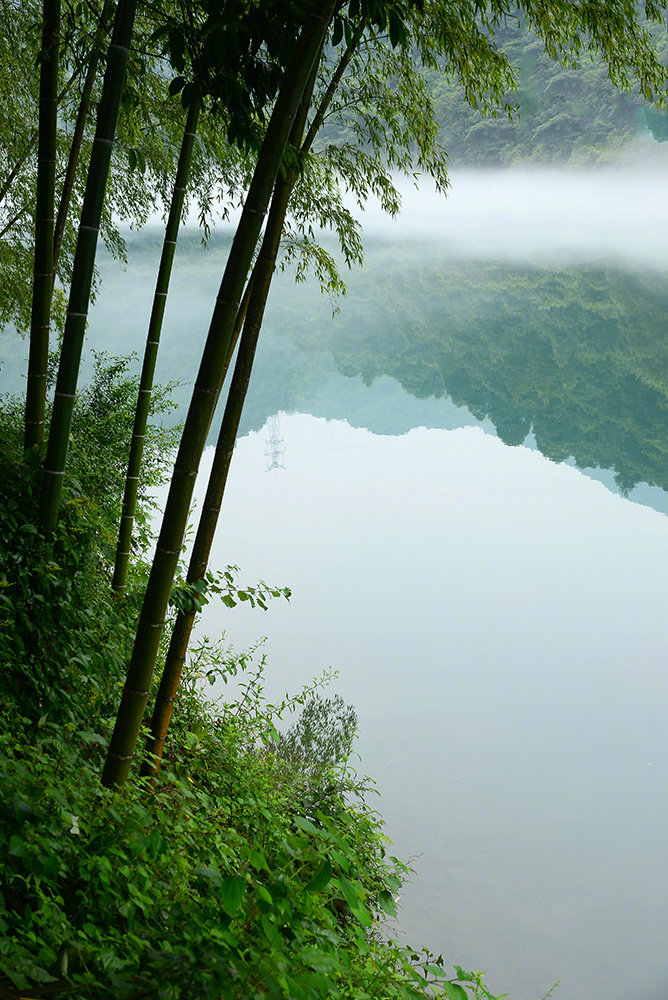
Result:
pixel 226 880
pixel 55 596
pixel 149 130
pixel 62 641
pixel 210 887
pixel 188 597
pixel 566 112
pixel 100 437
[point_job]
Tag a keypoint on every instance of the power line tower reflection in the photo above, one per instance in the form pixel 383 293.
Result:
pixel 274 452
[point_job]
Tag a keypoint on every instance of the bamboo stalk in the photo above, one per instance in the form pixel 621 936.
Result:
pixel 84 261
pixel 261 282
pixel 205 394
pixel 151 352
pixel 78 135
pixel 35 405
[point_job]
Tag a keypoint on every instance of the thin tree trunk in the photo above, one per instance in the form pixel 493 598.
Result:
pixel 43 265
pixel 14 172
pixel 30 145
pixel 78 135
pixel 151 351
pixel 180 638
pixel 205 394
pixel 261 282
pixel 84 262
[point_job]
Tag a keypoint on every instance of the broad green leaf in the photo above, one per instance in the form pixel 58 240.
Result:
pixel 322 876
pixel 271 933
pixel 353 900
pixel 17 847
pixel 232 893
pixel 454 992
pixel 387 903
pixel 264 894
pixel 305 824
pixel 176 85
pixel 210 873
pixel 363 915
pixel 258 860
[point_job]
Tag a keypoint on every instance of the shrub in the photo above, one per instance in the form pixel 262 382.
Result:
pixel 253 868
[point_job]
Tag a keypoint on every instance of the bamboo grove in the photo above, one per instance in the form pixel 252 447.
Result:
pixel 284 105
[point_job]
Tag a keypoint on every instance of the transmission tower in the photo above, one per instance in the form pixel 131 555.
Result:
pixel 274 451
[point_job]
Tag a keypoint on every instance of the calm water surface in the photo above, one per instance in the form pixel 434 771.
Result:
pixel 499 622
pixel 497 617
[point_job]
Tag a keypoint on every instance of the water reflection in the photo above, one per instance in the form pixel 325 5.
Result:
pixel 498 621
pixel 576 358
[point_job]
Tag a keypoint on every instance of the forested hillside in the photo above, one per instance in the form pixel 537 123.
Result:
pixel 566 114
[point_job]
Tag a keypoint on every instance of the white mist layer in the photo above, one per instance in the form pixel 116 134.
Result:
pixel 532 214
pixel 546 216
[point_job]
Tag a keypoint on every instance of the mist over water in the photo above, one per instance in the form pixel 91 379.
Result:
pixel 498 619
pixel 539 215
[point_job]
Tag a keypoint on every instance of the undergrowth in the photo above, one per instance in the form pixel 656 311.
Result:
pixel 254 868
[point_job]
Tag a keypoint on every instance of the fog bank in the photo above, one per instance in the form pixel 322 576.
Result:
pixel 545 216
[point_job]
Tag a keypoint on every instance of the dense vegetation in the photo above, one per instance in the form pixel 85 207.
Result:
pixel 249 865
pixel 254 867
